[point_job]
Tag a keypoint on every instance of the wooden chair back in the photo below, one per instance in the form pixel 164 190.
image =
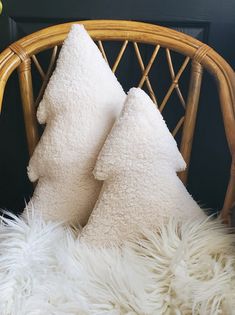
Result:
pixel 21 54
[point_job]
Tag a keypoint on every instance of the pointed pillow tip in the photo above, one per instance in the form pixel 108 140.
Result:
pixel 138 96
pixel 137 93
pixel 77 27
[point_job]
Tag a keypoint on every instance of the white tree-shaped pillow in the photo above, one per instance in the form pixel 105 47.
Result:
pixel 79 107
pixel 138 164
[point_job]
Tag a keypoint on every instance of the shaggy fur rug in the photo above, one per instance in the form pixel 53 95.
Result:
pixel 188 268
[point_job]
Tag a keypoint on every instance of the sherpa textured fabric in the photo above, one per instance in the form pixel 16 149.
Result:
pixel 79 107
pixel 138 164
pixel 186 269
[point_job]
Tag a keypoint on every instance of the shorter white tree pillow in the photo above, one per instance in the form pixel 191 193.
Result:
pixel 79 107
pixel 138 164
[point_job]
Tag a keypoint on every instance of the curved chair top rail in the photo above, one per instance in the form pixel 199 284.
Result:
pixel 18 55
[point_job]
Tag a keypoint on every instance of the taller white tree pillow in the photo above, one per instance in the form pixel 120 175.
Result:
pixel 79 107
pixel 138 164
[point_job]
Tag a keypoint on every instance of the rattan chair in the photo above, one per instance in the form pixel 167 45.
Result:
pixel 20 54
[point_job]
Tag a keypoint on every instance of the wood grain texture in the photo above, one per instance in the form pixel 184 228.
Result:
pixel 191 115
pixel 26 91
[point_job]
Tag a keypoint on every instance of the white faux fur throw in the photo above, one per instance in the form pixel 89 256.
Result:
pixel 188 268
pixel 80 104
